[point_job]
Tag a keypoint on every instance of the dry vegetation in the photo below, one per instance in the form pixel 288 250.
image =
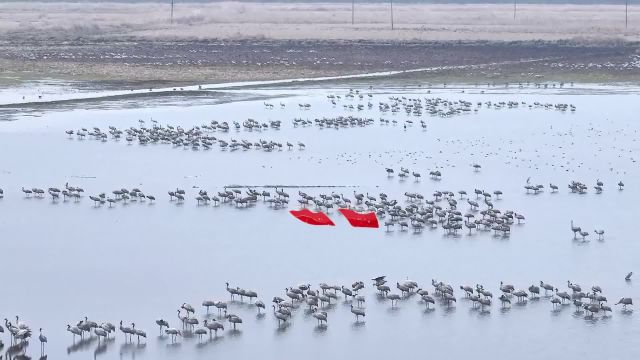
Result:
pixel 211 42
pixel 230 20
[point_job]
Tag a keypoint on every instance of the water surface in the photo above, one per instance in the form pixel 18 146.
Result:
pixel 140 262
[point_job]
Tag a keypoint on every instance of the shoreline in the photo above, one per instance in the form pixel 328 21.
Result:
pixel 257 91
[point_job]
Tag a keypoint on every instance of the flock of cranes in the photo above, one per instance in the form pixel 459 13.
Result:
pixel 301 106
pixel 70 192
pixel 405 173
pixel 442 209
pixel 433 106
pixel 195 138
pixel 77 193
pixel 577 230
pixel 320 301
pixel 20 333
pixel 579 187
pixel 574 186
pixel 199 137
pixel 337 122
pixel 419 212
pixel 447 108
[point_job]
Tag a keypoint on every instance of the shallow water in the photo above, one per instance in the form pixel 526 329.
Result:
pixel 139 262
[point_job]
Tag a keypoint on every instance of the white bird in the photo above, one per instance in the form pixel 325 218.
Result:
pixel 23 334
pixel 21 325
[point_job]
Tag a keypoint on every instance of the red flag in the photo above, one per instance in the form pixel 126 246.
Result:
pixel 313 218
pixel 357 219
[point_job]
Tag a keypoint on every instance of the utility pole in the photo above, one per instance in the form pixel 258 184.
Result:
pixel 391 14
pixel 514 8
pixel 626 14
pixel 353 8
pixel 172 11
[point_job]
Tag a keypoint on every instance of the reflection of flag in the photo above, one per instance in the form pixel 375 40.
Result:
pixel 357 219
pixel 313 218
